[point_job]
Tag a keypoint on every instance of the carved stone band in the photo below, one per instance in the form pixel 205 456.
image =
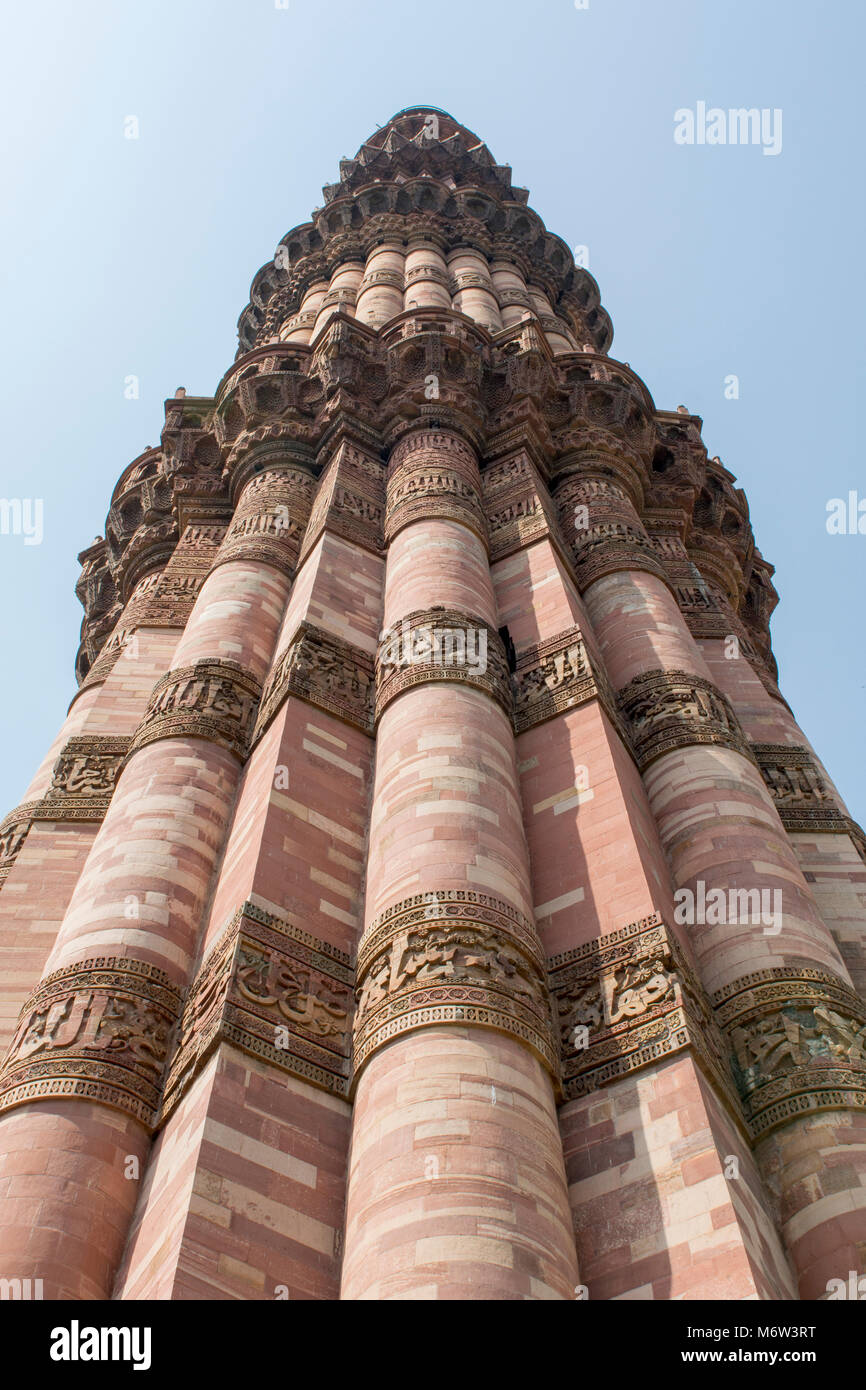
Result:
pixel 83 778
pixel 798 1039
pixel 611 548
pixel 519 508
pixel 82 784
pixel 557 675
pixel 603 530
pixel 673 709
pixel 98 1030
pixel 797 786
pixel 451 957
pixel 324 671
pixel 270 520
pixel 214 700
pixel 440 644
pixel 275 992
pixel 628 1000
pixel 434 476
pixel 13 833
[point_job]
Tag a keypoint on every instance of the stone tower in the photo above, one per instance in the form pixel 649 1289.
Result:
pixel 430 893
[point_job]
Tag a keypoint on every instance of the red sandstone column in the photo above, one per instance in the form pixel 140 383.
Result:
pixel 721 830
pixel 82 1080
pixel 649 1125
pixel 50 835
pixel 253 1205
pixel 456 1183
pixel 829 845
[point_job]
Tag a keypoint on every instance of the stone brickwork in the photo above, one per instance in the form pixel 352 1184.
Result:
pixel 429 893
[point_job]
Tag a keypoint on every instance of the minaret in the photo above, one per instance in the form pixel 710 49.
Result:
pixel 430 893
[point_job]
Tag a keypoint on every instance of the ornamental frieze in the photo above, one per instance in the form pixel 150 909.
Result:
pixel 451 957
pixel 609 548
pixel 673 709
pixel 557 675
pixel 270 520
pixel 798 1044
pixel 519 508
pixel 440 644
pixel 82 784
pixel 214 700
pixel 98 1030
pixel 271 989
pixel 169 603
pixel 798 788
pixel 324 671
pixel 434 476
pixel 434 493
pixel 627 1001
pixel 350 502
pixel 83 778
pixel 13 833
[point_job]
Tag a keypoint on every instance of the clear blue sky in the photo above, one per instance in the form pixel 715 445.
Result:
pixel 135 257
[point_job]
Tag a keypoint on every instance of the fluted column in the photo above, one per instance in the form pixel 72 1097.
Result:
pixel 82 1080
pixel 456 1183
pixel 60 815
pixel 474 294
pixel 342 293
pixel 380 296
pixel 775 976
pixel 264 1052
pixel 829 845
pixel 299 328
pixel 427 280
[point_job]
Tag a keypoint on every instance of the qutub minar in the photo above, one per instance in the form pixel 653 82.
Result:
pixel 430 893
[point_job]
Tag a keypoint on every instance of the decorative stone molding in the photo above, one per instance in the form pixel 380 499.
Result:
pixel 628 1000
pixel 101 668
pixel 558 675
pixel 350 501
pixel 441 644
pixel 451 957
pixel 797 786
pixel 277 993
pixel 518 506
pixel 324 671
pixel 603 530
pixel 13 833
pixel 97 1030
pixel 799 1044
pixel 82 784
pixel 270 519
pixel 674 709
pixel 83 779
pixel 434 476
pixel 163 598
pixel 214 700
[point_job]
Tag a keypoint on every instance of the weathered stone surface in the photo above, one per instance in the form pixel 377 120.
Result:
pixel 360 904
